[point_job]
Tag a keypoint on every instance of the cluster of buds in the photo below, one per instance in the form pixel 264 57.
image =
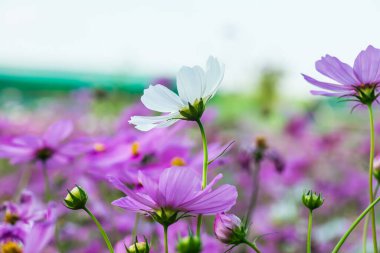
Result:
pixel 312 200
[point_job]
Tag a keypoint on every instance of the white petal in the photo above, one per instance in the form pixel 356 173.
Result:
pixel 161 99
pixel 146 123
pixel 190 83
pixel 214 76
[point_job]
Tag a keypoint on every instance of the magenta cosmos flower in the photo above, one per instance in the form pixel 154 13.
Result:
pixel 176 193
pixel 359 83
pixel 47 148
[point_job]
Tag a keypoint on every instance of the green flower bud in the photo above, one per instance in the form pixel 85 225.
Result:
pixel 76 198
pixel 139 247
pixel 312 200
pixel 189 244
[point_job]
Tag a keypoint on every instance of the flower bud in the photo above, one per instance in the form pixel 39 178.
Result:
pixel 189 244
pixel 139 247
pixel 312 200
pixel 229 229
pixel 76 198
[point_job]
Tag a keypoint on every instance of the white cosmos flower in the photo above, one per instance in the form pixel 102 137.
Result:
pixel 193 84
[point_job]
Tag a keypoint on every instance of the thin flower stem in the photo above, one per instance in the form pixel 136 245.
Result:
pixel 102 232
pixel 370 176
pixel 255 191
pixel 309 227
pixel 166 239
pixel 204 171
pixel 205 154
pixel 253 246
pixel 353 225
pixel 24 181
pixel 365 227
pixel 135 226
pixel 47 182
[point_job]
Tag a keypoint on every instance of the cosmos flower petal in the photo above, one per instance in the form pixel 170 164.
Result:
pixel 149 186
pixel 29 140
pixel 327 86
pixel 329 94
pixel 335 69
pixel 146 123
pixel 58 132
pixel 219 200
pixel 367 66
pixel 145 200
pixel 190 83
pixel 131 204
pixel 16 154
pixel 206 190
pixel 161 99
pixel 176 184
pixel 214 76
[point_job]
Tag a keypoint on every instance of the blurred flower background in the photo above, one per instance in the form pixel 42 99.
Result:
pixel 72 74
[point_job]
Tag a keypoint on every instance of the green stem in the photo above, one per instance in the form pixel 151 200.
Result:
pixel 354 224
pixel 365 227
pixel 24 181
pixel 205 154
pixel 134 231
pixel 102 232
pixel 309 227
pixel 204 171
pixel 166 239
pixel 255 191
pixel 253 246
pixel 370 176
pixel 47 183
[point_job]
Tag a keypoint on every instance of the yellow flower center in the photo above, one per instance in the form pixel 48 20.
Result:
pixel 99 147
pixel 11 218
pixel 135 147
pixel 178 161
pixel 10 247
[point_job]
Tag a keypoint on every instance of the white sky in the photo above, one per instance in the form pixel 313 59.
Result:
pixel 159 36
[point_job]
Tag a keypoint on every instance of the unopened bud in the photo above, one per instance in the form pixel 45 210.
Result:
pixel 312 200
pixel 229 229
pixel 139 247
pixel 76 198
pixel 189 244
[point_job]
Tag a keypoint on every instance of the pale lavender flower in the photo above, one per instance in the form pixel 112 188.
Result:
pixel 359 83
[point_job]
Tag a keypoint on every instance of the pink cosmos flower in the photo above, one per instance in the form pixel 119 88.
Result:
pixel 177 191
pixel 359 82
pixel 47 148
